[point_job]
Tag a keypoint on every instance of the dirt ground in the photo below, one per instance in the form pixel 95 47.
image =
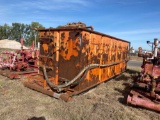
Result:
pixel 104 102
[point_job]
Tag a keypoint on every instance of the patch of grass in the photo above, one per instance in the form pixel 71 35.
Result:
pixel 104 102
pixel 1 83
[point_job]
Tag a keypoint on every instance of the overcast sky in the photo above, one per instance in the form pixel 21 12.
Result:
pixel 133 20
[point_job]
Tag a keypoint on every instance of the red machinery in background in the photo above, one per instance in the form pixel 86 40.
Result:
pixel 146 87
pixel 19 62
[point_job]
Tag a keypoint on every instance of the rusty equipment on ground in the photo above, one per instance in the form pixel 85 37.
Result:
pixel 74 58
pixel 15 63
pixel 146 86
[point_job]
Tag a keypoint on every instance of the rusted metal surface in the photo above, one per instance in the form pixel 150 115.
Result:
pixel 77 25
pixel 137 99
pixel 75 58
pixel 13 64
pixel 146 86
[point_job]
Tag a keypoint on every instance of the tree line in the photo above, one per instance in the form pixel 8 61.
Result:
pixel 20 30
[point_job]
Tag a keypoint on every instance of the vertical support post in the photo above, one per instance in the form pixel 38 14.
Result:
pixel 57 56
pixel 89 57
pixel 38 56
pixel 110 50
pixel 35 41
pixel 101 52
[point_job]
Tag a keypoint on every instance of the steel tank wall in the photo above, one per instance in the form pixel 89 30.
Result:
pixel 67 51
pixel 101 49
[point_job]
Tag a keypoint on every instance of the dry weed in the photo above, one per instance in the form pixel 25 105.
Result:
pixel 104 102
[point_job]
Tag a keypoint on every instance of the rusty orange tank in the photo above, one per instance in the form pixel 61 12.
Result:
pixel 74 59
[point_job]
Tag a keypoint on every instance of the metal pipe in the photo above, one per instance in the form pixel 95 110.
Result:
pixel 38 56
pixel 142 102
pixel 60 88
pixel 156 42
pixel 91 27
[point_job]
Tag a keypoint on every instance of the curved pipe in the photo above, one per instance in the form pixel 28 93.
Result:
pixel 59 88
pixel 91 27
